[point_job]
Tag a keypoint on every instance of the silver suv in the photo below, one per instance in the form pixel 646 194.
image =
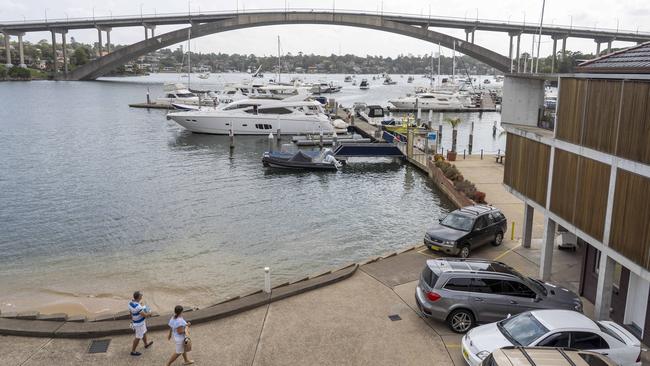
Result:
pixel 464 292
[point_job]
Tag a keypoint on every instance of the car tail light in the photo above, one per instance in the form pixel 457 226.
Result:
pixel 432 296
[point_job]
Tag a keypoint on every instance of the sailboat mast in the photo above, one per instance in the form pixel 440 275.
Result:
pixel 279 63
pixel 439 56
pixel 189 52
pixel 453 63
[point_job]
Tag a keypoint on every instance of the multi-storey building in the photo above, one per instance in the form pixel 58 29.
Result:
pixel 589 172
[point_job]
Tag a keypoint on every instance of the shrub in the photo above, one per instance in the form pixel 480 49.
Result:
pixel 3 72
pixel 20 73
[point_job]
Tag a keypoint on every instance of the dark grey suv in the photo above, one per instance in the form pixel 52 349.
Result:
pixel 466 229
pixel 464 292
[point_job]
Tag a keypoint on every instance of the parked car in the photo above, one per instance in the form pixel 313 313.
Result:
pixel 553 328
pixel 464 292
pixel 466 229
pixel 545 356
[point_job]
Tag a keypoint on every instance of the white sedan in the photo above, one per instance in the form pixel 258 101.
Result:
pixel 553 328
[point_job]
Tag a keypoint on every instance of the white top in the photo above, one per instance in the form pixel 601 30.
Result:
pixel 136 309
pixel 176 323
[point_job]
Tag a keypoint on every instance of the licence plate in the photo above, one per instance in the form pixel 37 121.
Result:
pixel 433 247
pixel 465 354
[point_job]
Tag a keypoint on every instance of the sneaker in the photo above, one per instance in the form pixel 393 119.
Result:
pixel 136 353
pixel 148 345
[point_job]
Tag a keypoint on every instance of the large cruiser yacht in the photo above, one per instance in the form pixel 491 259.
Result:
pixel 257 117
pixel 440 100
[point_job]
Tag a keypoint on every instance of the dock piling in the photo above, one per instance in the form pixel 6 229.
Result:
pixel 231 135
pixel 279 134
pixel 471 138
pixel 267 280
pixel 335 139
pixel 271 142
pixel 430 121
pixel 148 97
pixel 320 139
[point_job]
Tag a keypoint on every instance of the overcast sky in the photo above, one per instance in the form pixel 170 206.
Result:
pixel 319 39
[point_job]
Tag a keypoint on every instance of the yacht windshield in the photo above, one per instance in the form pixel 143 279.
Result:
pixel 522 329
pixel 458 222
pixel 185 95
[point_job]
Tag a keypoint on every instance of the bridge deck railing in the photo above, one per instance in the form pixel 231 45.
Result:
pixel 206 14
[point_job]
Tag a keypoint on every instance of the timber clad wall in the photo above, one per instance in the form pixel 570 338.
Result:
pixel 630 230
pixel 579 191
pixel 571 107
pixel 634 129
pixel 526 167
pixel 612 116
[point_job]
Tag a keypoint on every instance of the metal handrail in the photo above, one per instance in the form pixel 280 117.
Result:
pixel 96 19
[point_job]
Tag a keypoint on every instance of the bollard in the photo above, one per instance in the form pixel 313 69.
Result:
pixel 463 153
pixel 267 280
pixel 512 231
pixel 481 154
pixel 271 142
pixel 148 97
pixel 231 134
pixel 335 139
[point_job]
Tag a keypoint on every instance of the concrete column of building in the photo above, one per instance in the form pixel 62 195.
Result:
pixel 548 241
pixel 65 52
pixel 55 67
pixel 99 47
pixel 21 51
pixel 517 53
pixel 527 233
pixel 604 287
pixel 7 50
pixel 554 58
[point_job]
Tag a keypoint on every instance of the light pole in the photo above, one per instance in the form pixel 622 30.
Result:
pixel 571 24
pixel 141 17
pixel 93 13
pixel 539 39
pixel 45 15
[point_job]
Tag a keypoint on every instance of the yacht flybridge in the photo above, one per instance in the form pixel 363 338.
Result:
pixel 257 117
pixel 178 93
pixel 433 100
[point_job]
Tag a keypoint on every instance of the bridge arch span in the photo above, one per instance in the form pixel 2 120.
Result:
pixel 103 65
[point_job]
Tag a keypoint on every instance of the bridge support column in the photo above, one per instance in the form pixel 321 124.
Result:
pixel 510 51
pixel 468 32
pixel 518 43
pixel 65 52
pixel 55 66
pixel 21 51
pixel 609 46
pixel 564 48
pixel 146 33
pixel 553 59
pixel 99 47
pixel 108 40
pixel 597 48
pixel 147 27
pixel 8 51
pixel 473 36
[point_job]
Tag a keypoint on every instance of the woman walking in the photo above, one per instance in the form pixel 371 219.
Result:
pixel 180 329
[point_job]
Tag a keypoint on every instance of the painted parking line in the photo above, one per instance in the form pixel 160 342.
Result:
pixel 452 345
pixel 426 252
pixel 506 252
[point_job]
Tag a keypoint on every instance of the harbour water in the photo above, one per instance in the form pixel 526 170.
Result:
pixel 97 200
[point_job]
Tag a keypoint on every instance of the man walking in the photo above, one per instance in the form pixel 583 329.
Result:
pixel 138 315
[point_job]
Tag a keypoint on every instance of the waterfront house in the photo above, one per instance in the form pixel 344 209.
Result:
pixel 589 173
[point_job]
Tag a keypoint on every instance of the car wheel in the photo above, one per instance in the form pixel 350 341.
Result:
pixel 460 321
pixel 498 239
pixel 464 251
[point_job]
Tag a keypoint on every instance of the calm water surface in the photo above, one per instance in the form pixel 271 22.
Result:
pixel 98 199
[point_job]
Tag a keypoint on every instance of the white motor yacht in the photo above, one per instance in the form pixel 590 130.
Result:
pixel 364 85
pixel 179 94
pixel 257 117
pixel 435 101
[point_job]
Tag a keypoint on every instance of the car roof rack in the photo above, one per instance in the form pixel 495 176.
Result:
pixel 566 357
pixel 523 351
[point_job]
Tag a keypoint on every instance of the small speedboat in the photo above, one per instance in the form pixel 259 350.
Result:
pixel 311 160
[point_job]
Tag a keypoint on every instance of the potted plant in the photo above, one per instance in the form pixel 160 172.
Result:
pixel 453 122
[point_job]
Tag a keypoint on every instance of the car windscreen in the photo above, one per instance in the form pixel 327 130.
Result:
pixel 458 222
pixel 522 329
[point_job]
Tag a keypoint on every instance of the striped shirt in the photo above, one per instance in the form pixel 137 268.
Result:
pixel 136 310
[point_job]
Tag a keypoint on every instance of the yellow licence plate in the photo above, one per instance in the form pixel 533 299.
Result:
pixel 465 355
pixel 433 247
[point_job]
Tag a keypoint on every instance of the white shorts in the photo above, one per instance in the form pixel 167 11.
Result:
pixel 140 330
pixel 180 346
